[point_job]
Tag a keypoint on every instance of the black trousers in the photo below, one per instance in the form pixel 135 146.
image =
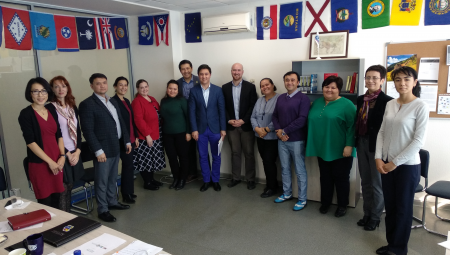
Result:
pixel 52 200
pixel 176 148
pixel 399 187
pixel 333 174
pixel 268 150
pixel 127 176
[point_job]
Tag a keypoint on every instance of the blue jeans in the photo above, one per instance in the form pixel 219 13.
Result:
pixel 202 143
pixel 296 152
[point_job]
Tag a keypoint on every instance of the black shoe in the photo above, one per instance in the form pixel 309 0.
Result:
pixel 106 216
pixel 382 250
pixel 233 183
pixel 128 199
pixel 174 184
pixel 362 222
pixel 133 196
pixel 216 186
pixel 156 183
pixel 268 193
pixel 324 209
pixel 340 211
pixel 180 185
pixel 119 206
pixel 204 187
pixel 251 185
pixel 372 225
pixel 151 186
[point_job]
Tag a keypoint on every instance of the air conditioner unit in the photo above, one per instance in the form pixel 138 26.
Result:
pixel 231 23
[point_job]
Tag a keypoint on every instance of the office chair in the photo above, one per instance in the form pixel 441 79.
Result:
pixel 440 189
pixel 89 175
pixel 424 164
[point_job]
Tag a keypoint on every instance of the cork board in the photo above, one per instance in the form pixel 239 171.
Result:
pixel 427 50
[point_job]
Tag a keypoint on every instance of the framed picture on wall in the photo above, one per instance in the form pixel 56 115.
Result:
pixel 331 45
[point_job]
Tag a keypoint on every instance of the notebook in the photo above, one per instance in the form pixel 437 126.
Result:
pixel 69 231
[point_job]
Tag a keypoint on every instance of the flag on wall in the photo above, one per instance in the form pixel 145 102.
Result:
pixel 1 26
pixel 105 37
pixel 317 16
pixel 406 12
pixel 193 27
pixel 120 32
pixel 437 12
pixel 344 15
pixel 66 33
pixel 266 22
pixel 161 28
pixel 145 25
pixel 86 33
pixel 43 31
pixel 375 13
pixel 17 27
pixel 290 21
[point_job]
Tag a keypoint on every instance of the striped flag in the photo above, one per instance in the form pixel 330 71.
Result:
pixel 105 37
pixel 161 28
pixel 267 22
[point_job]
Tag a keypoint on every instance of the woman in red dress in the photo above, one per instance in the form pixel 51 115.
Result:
pixel 45 144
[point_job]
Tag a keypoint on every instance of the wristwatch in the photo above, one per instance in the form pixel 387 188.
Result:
pixel 62 155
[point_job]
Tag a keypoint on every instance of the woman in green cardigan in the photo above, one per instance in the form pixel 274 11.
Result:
pixel 331 132
pixel 176 130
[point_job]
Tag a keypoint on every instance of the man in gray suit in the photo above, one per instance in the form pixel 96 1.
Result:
pixel 104 130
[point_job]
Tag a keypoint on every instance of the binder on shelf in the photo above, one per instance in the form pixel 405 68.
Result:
pixel 326 75
pixel 313 82
pixel 352 87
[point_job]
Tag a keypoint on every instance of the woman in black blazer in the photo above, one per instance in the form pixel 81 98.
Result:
pixel 127 181
pixel 64 104
pixel 45 152
pixel 370 111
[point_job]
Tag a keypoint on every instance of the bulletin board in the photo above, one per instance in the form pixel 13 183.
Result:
pixel 427 50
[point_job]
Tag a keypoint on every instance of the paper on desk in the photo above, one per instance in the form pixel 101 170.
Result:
pixel 136 246
pixel 445 244
pixel 51 253
pixel 14 207
pixel 98 246
pixel 219 147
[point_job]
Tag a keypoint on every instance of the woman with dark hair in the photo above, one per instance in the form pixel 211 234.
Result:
pixel 370 111
pixel 127 175
pixel 176 130
pixel 266 137
pixel 64 104
pixel 331 138
pixel 401 136
pixel 149 155
pixel 45 152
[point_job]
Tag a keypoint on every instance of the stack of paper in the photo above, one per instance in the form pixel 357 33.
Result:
pixel 139 246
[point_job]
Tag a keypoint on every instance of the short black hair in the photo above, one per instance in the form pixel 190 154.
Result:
pixel 179 95
pixel 378 68
pixel 204 66
pixel 270 81
pixel 43 83
pixel 120 78
pixel 411 72
pixel 95 76
pixel 331 79
pixel 185 61
pixel 292 72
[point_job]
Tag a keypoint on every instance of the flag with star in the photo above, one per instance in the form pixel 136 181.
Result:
pixel 193 27
pixel 66 33
pixel 16 24
pixel 43 31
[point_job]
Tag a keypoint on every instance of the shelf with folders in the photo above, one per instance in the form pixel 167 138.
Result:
pixel 343 67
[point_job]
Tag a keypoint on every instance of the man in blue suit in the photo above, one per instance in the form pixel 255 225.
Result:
pixel 208 124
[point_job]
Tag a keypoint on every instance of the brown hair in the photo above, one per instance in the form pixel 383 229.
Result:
pixel 69 99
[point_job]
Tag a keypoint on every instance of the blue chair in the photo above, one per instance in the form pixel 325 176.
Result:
pixel 440 189
pixel 89 175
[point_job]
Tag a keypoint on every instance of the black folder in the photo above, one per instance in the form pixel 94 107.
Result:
pixel 69 231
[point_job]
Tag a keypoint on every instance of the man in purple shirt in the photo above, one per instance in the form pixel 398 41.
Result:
pixel 289 119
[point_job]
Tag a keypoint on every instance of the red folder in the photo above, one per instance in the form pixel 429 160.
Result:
pixel 27 219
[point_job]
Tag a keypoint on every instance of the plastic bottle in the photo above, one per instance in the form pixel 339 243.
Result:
pixel 77 252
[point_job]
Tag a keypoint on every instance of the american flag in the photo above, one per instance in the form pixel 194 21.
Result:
pixel 105 37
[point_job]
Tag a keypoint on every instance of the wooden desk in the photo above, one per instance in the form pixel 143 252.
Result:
pixel 61 217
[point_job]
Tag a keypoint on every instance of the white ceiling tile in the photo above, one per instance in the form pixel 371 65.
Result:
pixel 202 5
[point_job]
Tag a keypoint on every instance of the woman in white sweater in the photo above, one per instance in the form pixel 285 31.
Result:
pixel 401 136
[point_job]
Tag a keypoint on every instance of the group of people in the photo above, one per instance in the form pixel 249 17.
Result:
pixel 386 133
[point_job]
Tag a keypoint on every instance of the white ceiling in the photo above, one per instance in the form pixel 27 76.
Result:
pixel 140 7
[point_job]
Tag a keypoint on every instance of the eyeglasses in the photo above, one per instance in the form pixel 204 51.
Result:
pixel 372 78
pixel 36 92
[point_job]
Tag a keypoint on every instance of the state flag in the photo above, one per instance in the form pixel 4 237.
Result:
pixel 145 25
pixel 317 16
pixel 66 33
pixel 193 27
pixel 344 15
pixel 290 22
pixel 437 12
pixel 406 12
pixel 120 32
pixel 16 24
pixel 266 22
pixel 161 28
pixel 1 26
pixel 43 31
pixel 375 13
pixel 105 37
pixel 86 33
